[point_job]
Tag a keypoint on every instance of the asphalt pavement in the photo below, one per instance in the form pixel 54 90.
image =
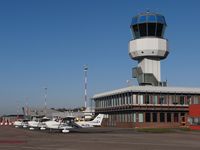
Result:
pixel 97 139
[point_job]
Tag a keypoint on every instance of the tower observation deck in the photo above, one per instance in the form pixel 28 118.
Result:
pixel 148 47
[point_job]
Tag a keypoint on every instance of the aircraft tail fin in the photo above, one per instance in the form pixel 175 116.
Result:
pixel 98 120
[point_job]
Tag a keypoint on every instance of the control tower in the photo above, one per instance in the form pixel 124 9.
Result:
pixel 148 47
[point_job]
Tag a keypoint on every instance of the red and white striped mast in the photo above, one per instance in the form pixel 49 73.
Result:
pixel 85 83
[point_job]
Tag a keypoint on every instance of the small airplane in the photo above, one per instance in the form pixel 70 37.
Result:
pixel 88 124
pixel 68 124
pixel 21 123
pixel 38 123
pixel 59 124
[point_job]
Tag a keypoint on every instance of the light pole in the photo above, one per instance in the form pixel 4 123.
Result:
pixel 45 101
pixel 85 83
pixel 18 109
pixel 26 107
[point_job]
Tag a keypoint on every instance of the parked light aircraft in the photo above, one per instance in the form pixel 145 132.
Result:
pixel 21 123
pixel 59 124
pixel 38 123
pixel 94 123
pixel 68 124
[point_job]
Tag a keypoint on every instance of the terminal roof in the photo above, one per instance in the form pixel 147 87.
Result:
pixel 150 89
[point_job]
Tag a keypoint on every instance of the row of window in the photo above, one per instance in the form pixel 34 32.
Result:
pixel 148 29
pixel 145 117
pixel 129 117
pixel 129 99
pixel 153 18
pixel 163 117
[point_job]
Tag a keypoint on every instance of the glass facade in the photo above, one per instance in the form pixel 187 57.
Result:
pixel 150 117
pixel 146 99
pixel 148 24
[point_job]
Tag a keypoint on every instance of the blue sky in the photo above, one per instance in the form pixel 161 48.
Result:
pixel 45 43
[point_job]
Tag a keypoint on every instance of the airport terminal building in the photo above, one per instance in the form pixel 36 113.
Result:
pixel 152 103
pixel 146 106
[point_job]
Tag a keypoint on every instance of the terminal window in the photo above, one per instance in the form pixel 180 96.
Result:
pixel 169 117
pixel 154 117
pixel 162 117
pixel 148 117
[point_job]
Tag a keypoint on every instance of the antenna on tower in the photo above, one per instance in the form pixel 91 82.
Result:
pixel 148 11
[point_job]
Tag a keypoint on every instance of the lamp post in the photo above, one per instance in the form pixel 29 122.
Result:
pixel 85 84
pixel 18 107
pixel 26 107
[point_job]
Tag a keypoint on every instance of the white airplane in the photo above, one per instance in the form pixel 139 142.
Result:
pixel 21 123
pixel 65 127
pixel 57 124
pixel 38 123
pixel 88 124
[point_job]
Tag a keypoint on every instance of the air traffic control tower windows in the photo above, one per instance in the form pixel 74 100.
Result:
pixel 148 24
pixel 151 29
